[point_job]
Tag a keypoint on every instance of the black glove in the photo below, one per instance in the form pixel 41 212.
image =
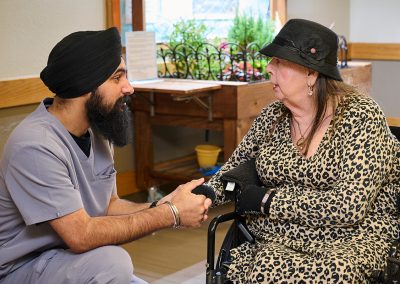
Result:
pixel 250 199
pixel 242 175
pixel 205 190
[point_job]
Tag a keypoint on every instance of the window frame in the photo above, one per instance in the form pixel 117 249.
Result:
pixel 278 9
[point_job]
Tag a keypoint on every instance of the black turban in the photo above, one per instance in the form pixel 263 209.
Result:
pixel 81 62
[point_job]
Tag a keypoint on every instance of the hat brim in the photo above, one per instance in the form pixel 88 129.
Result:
pixel 284 52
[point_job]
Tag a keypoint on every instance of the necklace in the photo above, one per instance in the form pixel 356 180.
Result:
pixel 302 140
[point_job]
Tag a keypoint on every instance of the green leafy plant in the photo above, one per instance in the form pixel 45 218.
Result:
pixel 188 32
pixel 250 34
pixel 246 29
pixel 192 55
pixel 188 37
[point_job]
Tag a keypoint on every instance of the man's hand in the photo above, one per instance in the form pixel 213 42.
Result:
pixel 192 208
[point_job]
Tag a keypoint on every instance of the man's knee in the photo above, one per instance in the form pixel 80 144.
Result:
pixel 114 265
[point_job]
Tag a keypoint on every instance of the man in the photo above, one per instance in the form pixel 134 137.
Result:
pixel 60 216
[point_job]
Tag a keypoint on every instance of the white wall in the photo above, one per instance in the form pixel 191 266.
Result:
pixel 28 31
pixel 30 28
pixel 386 86
pixel 379 21
pixel 375 21
pixel 324 12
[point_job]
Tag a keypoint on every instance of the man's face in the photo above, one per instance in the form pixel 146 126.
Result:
pixel 108 108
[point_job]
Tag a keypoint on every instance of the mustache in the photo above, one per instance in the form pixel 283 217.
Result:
pixel 124 100
pixel 123 103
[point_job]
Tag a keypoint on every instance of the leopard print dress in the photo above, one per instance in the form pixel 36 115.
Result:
pixel 334 214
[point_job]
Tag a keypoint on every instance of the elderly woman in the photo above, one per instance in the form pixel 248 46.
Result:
pixel 327 212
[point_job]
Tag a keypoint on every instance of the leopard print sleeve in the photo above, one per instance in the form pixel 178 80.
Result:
pixel 358 155
pixel 248 148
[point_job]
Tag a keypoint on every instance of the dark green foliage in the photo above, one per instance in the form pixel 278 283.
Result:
pixel 192 56
pixel 246 29
pixel 188 32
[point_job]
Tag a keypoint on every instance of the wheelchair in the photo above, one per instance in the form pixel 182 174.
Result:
pixel 238 233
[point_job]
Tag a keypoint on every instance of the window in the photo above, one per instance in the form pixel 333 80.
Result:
pixel 216 14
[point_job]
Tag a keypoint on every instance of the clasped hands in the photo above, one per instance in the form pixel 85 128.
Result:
pixel 192 208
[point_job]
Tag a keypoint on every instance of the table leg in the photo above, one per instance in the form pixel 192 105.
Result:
pixel 230 138
pixel 143 141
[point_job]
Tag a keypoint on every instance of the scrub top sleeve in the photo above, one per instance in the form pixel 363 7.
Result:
pixel 40 184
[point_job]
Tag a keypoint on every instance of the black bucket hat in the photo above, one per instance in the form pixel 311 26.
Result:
pixel 309 44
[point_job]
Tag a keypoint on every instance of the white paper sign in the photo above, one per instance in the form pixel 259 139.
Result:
pixel 141 56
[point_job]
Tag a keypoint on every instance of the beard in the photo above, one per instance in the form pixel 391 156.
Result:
pixel 112 122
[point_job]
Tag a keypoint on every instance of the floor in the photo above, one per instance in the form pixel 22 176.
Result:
pixel 167 254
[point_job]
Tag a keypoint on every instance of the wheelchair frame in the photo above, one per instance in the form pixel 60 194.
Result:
pixel 215 274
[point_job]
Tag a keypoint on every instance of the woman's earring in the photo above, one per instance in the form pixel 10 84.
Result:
pixel 310 90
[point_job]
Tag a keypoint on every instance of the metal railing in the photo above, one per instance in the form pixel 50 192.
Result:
pixel 226 62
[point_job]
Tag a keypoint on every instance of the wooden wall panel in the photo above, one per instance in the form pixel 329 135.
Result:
pixel 374 51
pixel 22 92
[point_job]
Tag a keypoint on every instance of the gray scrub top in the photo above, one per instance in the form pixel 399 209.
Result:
pixel 45 175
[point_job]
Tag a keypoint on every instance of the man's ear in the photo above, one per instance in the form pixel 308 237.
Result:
pixel 86 96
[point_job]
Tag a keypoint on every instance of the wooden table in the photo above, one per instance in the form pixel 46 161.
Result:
pixel 220 106
pixel 170 102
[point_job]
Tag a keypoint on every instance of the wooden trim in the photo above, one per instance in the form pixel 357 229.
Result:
pixel 374 51
pixel 393 121
pixel 113 15
pixel 22 92
pixel 138 15
pixel 279 9
pixel 126 183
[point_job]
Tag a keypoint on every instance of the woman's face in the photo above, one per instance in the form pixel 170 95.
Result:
pixel 289 80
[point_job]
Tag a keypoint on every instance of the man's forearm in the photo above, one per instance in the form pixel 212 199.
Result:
pixel 82 232
pixel 86 233
pixel 119 206
pixel 123 229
